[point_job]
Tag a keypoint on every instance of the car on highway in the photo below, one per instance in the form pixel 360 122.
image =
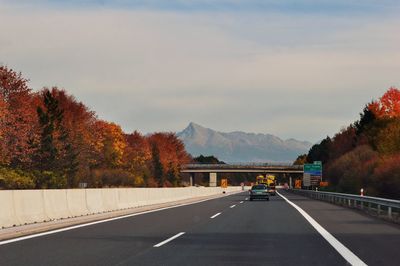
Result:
pixel 259 191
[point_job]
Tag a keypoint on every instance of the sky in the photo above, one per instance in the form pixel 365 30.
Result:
pixel 297 69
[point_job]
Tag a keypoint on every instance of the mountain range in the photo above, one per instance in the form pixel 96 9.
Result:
pixel 240 146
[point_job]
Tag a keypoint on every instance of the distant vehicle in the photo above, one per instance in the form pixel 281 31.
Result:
pixel 269 181
pixel 259 191
pixel 261 180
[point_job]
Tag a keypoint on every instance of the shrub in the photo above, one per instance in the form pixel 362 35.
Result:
pixel 15 179
pixel 387 177
pixel 49 179
pixel 353 170
pixel 112 178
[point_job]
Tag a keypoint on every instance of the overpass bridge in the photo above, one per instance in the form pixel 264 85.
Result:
pixel 213 169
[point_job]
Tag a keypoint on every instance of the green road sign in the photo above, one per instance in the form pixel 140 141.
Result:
pixel 312 173
pixel 313 169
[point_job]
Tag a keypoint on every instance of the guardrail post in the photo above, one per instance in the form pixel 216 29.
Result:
pixel 369 206
pixel 361 204
pixel 379 210
pixel 390 212
pixel 349 202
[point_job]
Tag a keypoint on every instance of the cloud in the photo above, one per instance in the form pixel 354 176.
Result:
pixel 288 6
pixel 254 71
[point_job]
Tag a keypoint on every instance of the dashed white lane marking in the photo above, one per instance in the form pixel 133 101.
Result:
pixel 343 251
pixel 4 242
pixel 246 198
pixel 241 202
pixel 233 206
pixel 168 240
pixel 215 215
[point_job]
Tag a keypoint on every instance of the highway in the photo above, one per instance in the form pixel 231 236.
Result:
pixel 225 231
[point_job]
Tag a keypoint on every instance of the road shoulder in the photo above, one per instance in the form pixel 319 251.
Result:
pixel 375 241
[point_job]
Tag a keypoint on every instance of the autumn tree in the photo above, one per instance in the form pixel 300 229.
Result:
pixel 79 125
pixel 137 156
pixel 342 142
pixel 300 160
pixel 386 177
pixel 19 127
pixel 172 154
pixel 388 106
pixel 353 170
pixel 110 144
pixel 388 139
pixel 3 128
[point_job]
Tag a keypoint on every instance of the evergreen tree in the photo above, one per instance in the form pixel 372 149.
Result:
pixel 320 152
pixel 49 119
pixel 158 170
pixel 367 117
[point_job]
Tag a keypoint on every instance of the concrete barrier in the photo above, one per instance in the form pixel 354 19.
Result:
pixel 94 200
pixel 56 204
pixel 29 206
pixel 20 207
pixel 7 212
pixel 109 198
pixel 76 199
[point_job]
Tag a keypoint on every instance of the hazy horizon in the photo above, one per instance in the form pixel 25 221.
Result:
pixel 294 69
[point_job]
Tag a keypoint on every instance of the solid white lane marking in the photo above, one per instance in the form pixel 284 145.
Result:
pixel 233 206
pixel 103 221
pixel 168 240
pixel 241 202
pixel 340 248
pixel 215 215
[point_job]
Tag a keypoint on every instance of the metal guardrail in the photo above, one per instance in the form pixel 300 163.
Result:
pixel 374 205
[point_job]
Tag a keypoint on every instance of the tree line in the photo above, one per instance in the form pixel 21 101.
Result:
pixel 366 154
pixel 48 139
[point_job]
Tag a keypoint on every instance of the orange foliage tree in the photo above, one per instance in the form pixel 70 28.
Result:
pixel 388 105
pixel 171 154
pixel 79 123
pixel 48 139
pixel 109 143
pixel 137 156
pixel 20 125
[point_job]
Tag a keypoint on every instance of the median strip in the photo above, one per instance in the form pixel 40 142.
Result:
pixel 215 215
pixel 168 240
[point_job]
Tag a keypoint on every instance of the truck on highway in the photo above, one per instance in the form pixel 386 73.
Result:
pixel 269 181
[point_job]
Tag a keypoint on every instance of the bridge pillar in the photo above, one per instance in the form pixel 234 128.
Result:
pixel 191 179
pixel 213 180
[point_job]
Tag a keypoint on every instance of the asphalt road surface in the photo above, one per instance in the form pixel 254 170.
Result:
pixel 225 231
